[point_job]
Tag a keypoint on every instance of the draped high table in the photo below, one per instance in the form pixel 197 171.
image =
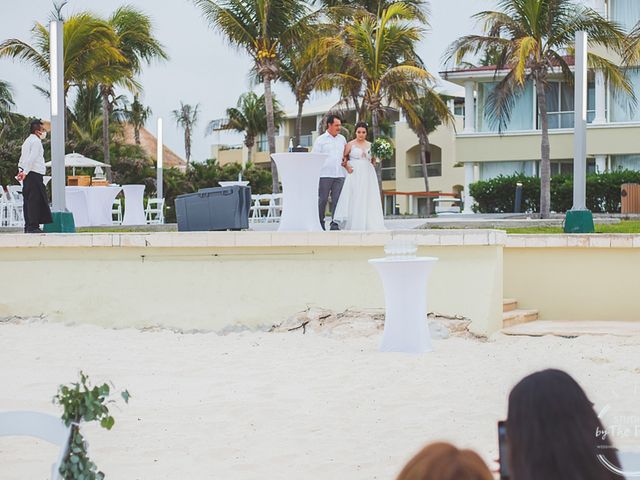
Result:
pixel 405 296
pixel 134 205
pixel 91 206
pixel 299 173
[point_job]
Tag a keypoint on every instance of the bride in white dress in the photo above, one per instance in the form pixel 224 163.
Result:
pixel 359 206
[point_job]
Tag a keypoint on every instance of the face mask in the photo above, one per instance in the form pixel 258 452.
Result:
pixel 42 135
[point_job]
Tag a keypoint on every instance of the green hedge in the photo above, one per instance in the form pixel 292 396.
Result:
pixel 603 192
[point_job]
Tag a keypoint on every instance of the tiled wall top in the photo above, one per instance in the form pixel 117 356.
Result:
pixel 256 239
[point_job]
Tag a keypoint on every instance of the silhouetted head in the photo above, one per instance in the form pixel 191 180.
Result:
pixel 552 431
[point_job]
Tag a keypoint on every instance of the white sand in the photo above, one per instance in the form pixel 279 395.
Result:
pixel 290 406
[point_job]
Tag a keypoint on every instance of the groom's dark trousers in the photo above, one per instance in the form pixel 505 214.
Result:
pixel 329 186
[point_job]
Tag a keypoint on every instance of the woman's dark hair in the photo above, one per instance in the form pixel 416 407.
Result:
pixel 361 125
pixel 552 431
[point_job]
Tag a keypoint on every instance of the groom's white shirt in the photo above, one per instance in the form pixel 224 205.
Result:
pixel 334 147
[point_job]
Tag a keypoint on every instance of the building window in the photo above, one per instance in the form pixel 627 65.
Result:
pixel 434 162
pixel 458 108
pixel 390 207
pixel 489 170
pixel 561 105
pixel 262 145
pixel 521 114
pixel 306 140
pixel 625 13
pixel 625 162
pixel 389 168
pixel 622 109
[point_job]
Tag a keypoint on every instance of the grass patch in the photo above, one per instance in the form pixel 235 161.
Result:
pixel 628 226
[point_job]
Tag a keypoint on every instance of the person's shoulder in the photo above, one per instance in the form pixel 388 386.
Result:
pixel 342 137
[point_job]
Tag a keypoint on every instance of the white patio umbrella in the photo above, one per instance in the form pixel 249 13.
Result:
pixel 76 160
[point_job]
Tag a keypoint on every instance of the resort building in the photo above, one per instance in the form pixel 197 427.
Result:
pixel 473 149
pixel 613 125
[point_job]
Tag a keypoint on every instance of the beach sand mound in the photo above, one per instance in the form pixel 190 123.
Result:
pixel 365 323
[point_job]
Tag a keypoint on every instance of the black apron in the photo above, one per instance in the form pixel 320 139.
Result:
pixel 36 204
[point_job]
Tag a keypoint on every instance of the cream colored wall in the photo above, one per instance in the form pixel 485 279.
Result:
pixel 445 138
pixel 574 283
pixel 212 287
pixel 601 140
pixel 225 157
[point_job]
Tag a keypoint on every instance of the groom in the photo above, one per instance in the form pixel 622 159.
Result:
pixel 332 174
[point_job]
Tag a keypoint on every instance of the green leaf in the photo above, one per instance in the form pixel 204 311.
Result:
pixel 126 396
pixel 107 422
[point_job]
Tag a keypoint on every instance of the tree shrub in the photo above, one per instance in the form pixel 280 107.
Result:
pixel 497 195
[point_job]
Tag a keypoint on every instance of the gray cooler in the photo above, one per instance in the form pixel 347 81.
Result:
pixel 218 208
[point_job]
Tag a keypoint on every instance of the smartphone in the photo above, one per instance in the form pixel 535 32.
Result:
pixel 503 450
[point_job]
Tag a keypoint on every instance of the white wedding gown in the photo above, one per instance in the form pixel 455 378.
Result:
pixel 359 206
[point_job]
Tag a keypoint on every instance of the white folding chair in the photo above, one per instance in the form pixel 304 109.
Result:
pixel 39 425
pixel 154 213
pixel 14 207
pixel 116 212
pixel 260 208
pixel 275 207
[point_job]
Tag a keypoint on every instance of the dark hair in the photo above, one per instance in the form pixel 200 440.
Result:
pixel 361 125
pixel 35 125
pixel 551 431
pixel 443 461
pixel 331 118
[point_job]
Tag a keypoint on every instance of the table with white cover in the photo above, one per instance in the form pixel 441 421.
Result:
pixel 91 206
pixel 405 296
pixel 299 173
pixel 134 205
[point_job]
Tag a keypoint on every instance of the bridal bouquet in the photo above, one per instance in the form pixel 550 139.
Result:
pixel 381 149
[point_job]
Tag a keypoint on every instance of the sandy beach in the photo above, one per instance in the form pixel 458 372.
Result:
pixel 255 405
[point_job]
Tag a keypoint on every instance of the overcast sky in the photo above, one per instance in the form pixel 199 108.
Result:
pixel 202 67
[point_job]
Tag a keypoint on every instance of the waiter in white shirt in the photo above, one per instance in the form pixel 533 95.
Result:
pixel 31 170
pixel 333 173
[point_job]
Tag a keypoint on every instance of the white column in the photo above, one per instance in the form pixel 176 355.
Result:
pixel 56 55
pixel 469 178
pixel 601 96
pixel 159 159
pixel 601 163
pixel 580 130
pixel 469 107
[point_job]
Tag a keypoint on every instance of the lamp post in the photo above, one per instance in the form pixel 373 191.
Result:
pixel 579 219
pixel 62 219
pixel 159 153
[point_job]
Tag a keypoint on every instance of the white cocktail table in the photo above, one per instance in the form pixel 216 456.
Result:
pixel 134 205
pixel 405 296
pixel 99 204
pixel 300 177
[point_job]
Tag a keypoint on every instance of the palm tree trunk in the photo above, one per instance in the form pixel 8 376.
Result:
pixel 424 152
pixel 105 129
pixel 187 144
pixel 271 132
pixel 545 166
pixel 136 134
pixel 375 127
pixel 249 143
pixel 299 123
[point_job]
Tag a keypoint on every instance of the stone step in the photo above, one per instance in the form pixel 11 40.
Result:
pixel 509 304
pixel 575 328
pixel 518 316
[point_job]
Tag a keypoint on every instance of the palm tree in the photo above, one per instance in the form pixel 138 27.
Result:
pixel 137 115
pixel 380 64
pixel 90 51
pixel 265 29
pixel 531 37
pixel 186 118
pixel 6 100
pixel 424 115
pixel 134 32
pixel 248 117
